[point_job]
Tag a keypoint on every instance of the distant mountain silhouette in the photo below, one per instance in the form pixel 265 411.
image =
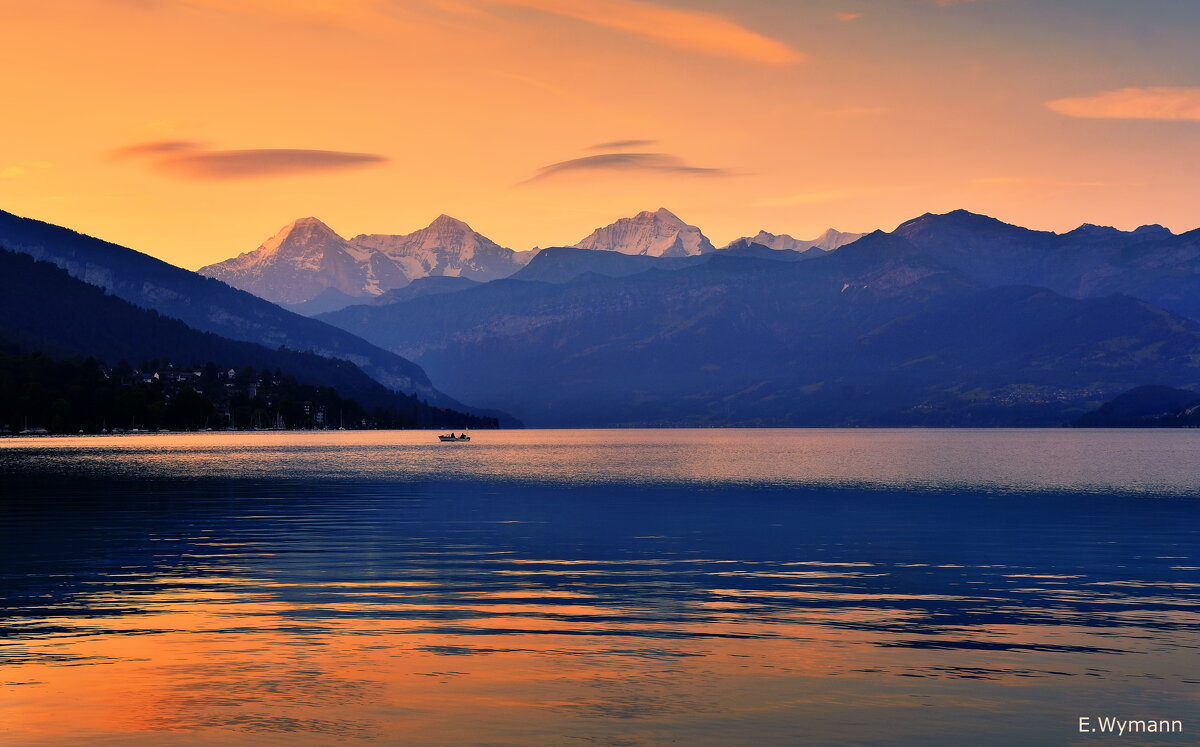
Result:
pixel 433 285
pixel 878 332
pixel 1150 262
pixel 748 248
pixel 330 299
pixel 206 304
pixel 44 309
pixel 826 242
pixel 1146 407
pixel 560 264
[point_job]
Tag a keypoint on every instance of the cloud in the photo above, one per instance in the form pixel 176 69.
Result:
pixel 624 162
pixel 266 162
pixel 189 159
pixel 1134 103
pixel 621 144
pixel 696 31
pixel 848 16
pixel 155 148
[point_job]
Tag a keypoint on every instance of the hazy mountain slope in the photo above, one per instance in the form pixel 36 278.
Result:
pixel 206 304
pixel 302 260
pixel 1163 270
pixel 330 299
pixel 1150 262
pixel 876 332
pixel 433 285
pixel 748 248
pixel 826 242
pixel 1146 407
pixel 560 264
pixel 658 234
pixel 83 320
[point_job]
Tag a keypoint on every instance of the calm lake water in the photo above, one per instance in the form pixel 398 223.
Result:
pixel 635 587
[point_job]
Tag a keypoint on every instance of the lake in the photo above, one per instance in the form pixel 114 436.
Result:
pixel 629 587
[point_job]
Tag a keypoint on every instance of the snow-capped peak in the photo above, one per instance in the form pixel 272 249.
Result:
pixel 306 258
pixel 304 236
pixel 828 241
pixel 660 234
pixel 447 223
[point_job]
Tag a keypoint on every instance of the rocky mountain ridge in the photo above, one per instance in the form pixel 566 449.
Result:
pixel 309 268
pixel 307 258
pixel 656 234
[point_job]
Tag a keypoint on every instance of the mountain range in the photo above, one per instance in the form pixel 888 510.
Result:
pixel 1146 407
pixel 202 304
pixel 308 268
pixel 1149 262
pixel 306 259
pixel 951 319
pixel 826 242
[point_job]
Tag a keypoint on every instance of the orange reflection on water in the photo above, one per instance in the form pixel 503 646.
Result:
pixel 201 664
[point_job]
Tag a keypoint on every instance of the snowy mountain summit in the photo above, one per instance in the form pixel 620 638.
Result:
pixel 657 234
pixel 307 259
pixel 827 242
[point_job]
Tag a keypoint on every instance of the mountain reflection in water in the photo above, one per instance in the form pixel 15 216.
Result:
pixel 603 587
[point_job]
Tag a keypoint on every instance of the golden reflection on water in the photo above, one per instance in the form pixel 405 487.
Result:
pixel 203 665
pixel 367 680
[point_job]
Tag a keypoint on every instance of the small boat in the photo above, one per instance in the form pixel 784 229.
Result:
pixel 452 437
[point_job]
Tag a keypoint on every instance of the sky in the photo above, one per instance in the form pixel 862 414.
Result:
pixel 193 130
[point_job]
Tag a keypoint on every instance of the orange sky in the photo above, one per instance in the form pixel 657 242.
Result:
pixel 193 129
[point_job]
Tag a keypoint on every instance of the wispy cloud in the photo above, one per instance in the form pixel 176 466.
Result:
pixel 624 162
pixel 155 148
pixel 848 16
pixel 1134 103
pixel 621 144
pixel 265 162
pixel 696 31
pixel 189 159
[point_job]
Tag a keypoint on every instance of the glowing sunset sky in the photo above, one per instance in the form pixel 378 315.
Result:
pixel 194 129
